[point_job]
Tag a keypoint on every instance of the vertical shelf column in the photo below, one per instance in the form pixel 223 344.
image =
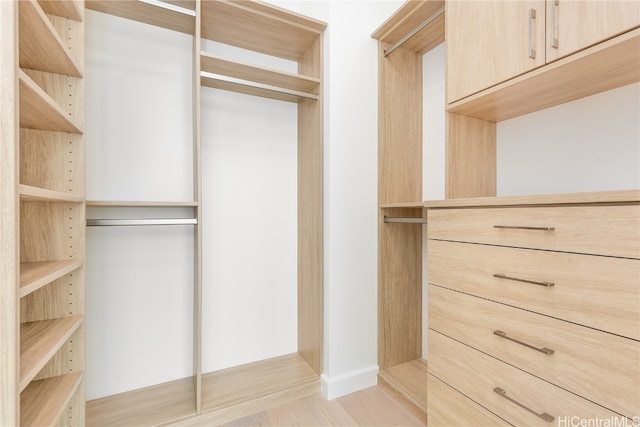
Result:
pixel 197 197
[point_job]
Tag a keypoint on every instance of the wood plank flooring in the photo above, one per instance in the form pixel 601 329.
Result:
pixel 373 406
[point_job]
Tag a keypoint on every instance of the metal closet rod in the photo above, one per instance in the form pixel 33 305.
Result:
pixel 413 32
pixel 388 219
pixel 145 221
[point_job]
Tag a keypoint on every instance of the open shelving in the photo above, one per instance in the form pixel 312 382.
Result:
pixel 43 402
pixel 71 9
pixel 34 275
pixel 29 193
pixel 41 47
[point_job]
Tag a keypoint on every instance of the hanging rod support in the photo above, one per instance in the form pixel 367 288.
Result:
pixel 130 222
pixel 413 32
pixel 405 220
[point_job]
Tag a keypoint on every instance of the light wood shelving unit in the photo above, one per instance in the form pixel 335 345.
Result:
pixel 42 233
pixel 416 28
pixel 269 30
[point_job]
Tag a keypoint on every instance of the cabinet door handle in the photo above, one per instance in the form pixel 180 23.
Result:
pixel 554 36
pixel 517 279
pixel 520 227
pixel 532 17
pixel 544 416
pixel 504 335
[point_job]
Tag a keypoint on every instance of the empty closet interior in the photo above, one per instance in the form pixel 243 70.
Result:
pixel 204 184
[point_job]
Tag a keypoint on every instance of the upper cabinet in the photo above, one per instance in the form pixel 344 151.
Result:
pixel 489 42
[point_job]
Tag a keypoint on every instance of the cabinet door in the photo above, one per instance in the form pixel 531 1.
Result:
pixel 489 42
pixel 574 25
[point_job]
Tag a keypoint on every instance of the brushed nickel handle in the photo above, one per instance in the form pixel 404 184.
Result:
pixel 554 37
pixel 532 17
pixel 516 279
pixel 544 416
pixel 504 335
pixel 521 227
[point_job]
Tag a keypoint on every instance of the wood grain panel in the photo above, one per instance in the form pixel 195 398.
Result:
pixel 450 408
pixel 399 289
pixel 71 9
pixel 408 381
pixel 255 90
pixel 9 215
pixel 197 197
pixel 598 292
pixel 310 215
pixel 475 375
pixel 597 230
pixel 581 362
pixel 43 402
pixel 399 127
pixel 34 275
pixel 470 157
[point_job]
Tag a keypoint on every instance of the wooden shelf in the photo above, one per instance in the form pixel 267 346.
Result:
pixel 603 67
pixel 39 341
pixel 41 47
pixel 598 197
pixel 260 27
pixel 409 381
pixel 293 82
pixel 35 194
pixel 138 204
pixel 402 205
pixel 159 404
pixel 255 89
pixel 407 18
pixel 44 401
pixel 39 111
pixel 152 14
pixel 71 9
pixel 34 275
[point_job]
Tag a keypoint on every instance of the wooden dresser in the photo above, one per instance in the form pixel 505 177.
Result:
pixel 534 310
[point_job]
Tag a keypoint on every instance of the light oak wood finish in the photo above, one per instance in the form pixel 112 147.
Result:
pixel 43 402
pixel 34 275
pixel 39 341
pixel 256 90
pixel 71 9
pixel 408 381
pixel 582 357
pixel 597 230
pixel 149 406
pixel 197 196
pixel 293 82
pixel 146 13
pixel 406 19
pixel 577 25
pixel 9 215
pixel 470 157
pixel 260 27
pixel 608 65
pixel 41 47
pixel 34 194
pixel 450 408
pixel 559 199
pixel 39 111
pixel 310 215
pixel 138 204
pixel 476 374
pixel 598 292
pixel 488 43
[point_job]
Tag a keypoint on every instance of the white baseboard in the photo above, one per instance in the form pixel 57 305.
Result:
pixel 340 385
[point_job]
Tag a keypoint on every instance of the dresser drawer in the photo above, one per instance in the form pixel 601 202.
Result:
pixel 502 389
pixel 600 230
pixel 600 292
pixel 601 367
pixel 449 408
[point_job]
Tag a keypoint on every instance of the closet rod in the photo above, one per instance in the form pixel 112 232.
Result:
pixel 405 220
pixel 130 222
pixel 413 32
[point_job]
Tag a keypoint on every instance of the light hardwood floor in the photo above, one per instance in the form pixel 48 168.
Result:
pixel 370 407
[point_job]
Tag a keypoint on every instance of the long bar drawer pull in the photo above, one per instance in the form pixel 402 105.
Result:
pixel 504 335
pixel 548 418
pixel 519 227
pixel 515 279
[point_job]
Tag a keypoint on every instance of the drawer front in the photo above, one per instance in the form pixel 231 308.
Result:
pixel 599 230
pixel 448 408
pixel 482 378
pixel 601 367
pixel 600 292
